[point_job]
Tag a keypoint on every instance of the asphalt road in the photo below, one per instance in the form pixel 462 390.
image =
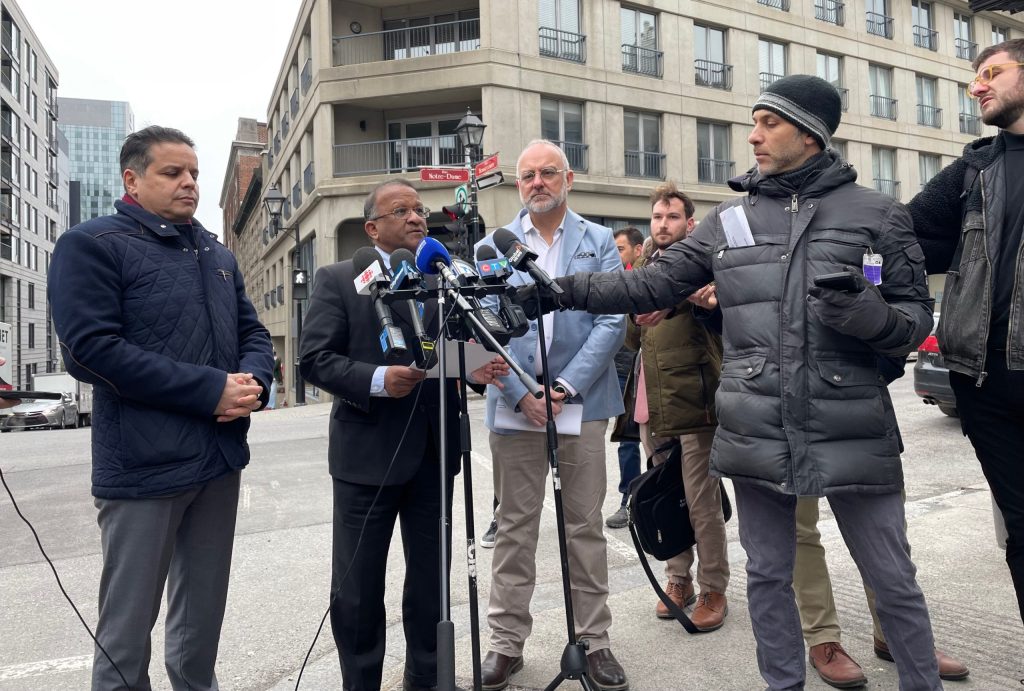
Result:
pixel 280 576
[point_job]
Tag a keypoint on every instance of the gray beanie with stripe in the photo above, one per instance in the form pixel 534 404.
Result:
pixel 810 103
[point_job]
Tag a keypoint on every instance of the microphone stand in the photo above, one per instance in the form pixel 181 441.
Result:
pixel 467 489
pixel 445 627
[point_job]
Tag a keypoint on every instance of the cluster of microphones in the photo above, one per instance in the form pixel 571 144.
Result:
pixel 464 284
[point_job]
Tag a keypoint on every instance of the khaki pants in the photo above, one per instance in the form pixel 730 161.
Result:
pixel 704 498
pixel 521 468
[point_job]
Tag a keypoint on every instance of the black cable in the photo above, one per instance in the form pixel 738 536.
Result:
pixel 56 576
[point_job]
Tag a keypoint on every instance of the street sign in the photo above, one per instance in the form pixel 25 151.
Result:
pixel 485 166
pixel 6 358
pixel 495 178
pixel 462 197
pixel 444 175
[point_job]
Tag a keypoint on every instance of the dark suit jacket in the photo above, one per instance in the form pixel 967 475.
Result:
pixel 339 352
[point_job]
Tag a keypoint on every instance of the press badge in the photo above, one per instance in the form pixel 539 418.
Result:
pixel 736 227
pixel 873 267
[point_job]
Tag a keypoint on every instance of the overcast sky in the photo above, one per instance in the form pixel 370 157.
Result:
pixel 197 65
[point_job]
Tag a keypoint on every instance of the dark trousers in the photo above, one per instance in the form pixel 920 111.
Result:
pixel 362 537
pixel 992 416
pixel 629 459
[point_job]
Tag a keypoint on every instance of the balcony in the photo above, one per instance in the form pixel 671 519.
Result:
pixel 926 38
pixel 767 79
pixel 10 172
pixel 714 75
pixel 307 178
pixel 285 126
pixel 306 76
pixel 889 187
pixel 277 143
pixel 294 102
pixel 879 24
pixel 297 195
pixel 883 107
pixel 9 47
pixel 577 153
pixel 930 116
pixel 844 97
pixel 563 45
pixel 406 43
pixel 970 124
pixel 645 164
pixel 965 50
pixel 7 244
pixel 714 171
pixel 640 60
pixel 397 155
pixel 777 4
pixel 9 131
pixel 286 208
pixel 831 11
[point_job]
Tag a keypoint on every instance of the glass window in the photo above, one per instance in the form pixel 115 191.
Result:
pixel 714 164
pixel 639 28
pixel 562 123
pixel 928 166
pixel 642 140
pixel 771 57
pixel 563 15
pixel 921 14
pixel 883 166
pixel 999 34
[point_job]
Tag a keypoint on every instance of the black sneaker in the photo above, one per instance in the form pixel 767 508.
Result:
pixel 619 519
pixel 488 539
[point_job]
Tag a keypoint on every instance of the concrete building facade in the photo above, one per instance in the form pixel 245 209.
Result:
pixel 633 92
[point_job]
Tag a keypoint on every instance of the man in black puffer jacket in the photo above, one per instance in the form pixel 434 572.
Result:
pixel 803 409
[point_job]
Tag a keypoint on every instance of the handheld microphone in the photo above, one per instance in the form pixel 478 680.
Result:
pixel 433 258
pixel 522 258
pixel 374 279
pixel 494 271
pixel 405 275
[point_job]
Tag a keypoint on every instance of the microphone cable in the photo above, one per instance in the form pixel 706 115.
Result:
pixel 60 585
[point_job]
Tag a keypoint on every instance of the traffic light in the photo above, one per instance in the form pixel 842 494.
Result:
pixel 456 234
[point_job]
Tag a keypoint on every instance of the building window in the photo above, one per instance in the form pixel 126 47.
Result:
pixel 831 11
pixel 562 123
pixel 640 52
pixel 560 34
pixel 883 105
pixel 31 335
pixel 830 68
pixel 970 120
pixel 928 112
pixel 928 166
pixel 879 21
pixel 771 59
pixel 31 296
pixel 999 34
pixel 642 139
pixel 839 147
pixel 709 63
pixel 714 164
pixel 883 166
pixel 963 37
pixel 431 35
pixel 777 4
pixel 925 36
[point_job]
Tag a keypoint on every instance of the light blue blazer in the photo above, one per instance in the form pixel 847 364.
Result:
pixel 583 345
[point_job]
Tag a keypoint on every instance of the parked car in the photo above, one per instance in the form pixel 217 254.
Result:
pixel 41 414
pixel 931 377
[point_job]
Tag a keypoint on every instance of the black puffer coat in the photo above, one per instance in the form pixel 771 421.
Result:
pixel 801 408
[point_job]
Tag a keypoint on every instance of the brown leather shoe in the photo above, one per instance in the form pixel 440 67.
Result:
pixel 950 669
pixel 606 672
pixel 835 666
pixel 682 595
pixel 709 614
pixel 496 669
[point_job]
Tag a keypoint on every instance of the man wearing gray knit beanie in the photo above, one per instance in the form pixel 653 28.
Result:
pixel 802 404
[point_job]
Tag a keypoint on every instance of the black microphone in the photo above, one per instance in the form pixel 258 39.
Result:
pixel 494 271
pixel 371 279
pixel 404 275
pixel 522 258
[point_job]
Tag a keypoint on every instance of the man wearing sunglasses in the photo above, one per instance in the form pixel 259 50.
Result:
pixel 968 219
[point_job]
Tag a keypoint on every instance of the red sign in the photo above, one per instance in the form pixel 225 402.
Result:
pixel 485 166
pixel 444 175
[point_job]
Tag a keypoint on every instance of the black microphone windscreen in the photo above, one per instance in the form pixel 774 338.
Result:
pixel 485 252
pixel 363 257
pixel 401 255
pixel 504 240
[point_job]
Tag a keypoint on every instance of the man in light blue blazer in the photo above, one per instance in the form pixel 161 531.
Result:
pixel 580 349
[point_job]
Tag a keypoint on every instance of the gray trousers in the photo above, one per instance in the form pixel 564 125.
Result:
pixel 872 526
pixel 185 540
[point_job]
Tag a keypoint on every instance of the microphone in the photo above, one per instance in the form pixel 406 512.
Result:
pixel 522 258
pixel 370 274
pixel 405 275
pixel 494 271
pixel 433 258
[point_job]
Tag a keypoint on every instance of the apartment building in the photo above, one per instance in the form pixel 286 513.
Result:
pixel 33 193
pixel 634 94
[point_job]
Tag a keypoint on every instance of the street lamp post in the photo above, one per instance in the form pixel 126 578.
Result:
pixel 471 133
pixel 274 201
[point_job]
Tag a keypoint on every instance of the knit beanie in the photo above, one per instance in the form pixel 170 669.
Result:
pixel 810 103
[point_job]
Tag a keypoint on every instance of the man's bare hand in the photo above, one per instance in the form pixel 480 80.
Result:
pixel 651 318
pixel 240 398
pixel 535 409
pixel 489 373
pixel 399 380
pixel 705 297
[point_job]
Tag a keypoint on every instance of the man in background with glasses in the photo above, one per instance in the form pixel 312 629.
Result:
pixel 580 349
pixel 968 219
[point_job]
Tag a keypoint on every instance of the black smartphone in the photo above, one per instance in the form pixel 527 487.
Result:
pixel 30 395
pixel 842 280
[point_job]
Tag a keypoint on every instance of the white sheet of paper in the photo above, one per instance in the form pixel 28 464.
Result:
pixel 566 422
pixel 476 356
pixel 736 227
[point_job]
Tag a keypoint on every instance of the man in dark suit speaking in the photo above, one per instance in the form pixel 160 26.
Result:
pixel 384 438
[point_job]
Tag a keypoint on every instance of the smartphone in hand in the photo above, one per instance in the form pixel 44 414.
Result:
pixel 843 281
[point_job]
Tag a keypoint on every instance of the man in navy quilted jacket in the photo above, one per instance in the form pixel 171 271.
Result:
pixel 151 310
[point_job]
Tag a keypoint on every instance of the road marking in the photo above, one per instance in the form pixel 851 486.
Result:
pixel 45 667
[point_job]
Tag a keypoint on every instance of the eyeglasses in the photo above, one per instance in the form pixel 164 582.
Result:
pixel 546 174
pixel 987 74
pixel 402 212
